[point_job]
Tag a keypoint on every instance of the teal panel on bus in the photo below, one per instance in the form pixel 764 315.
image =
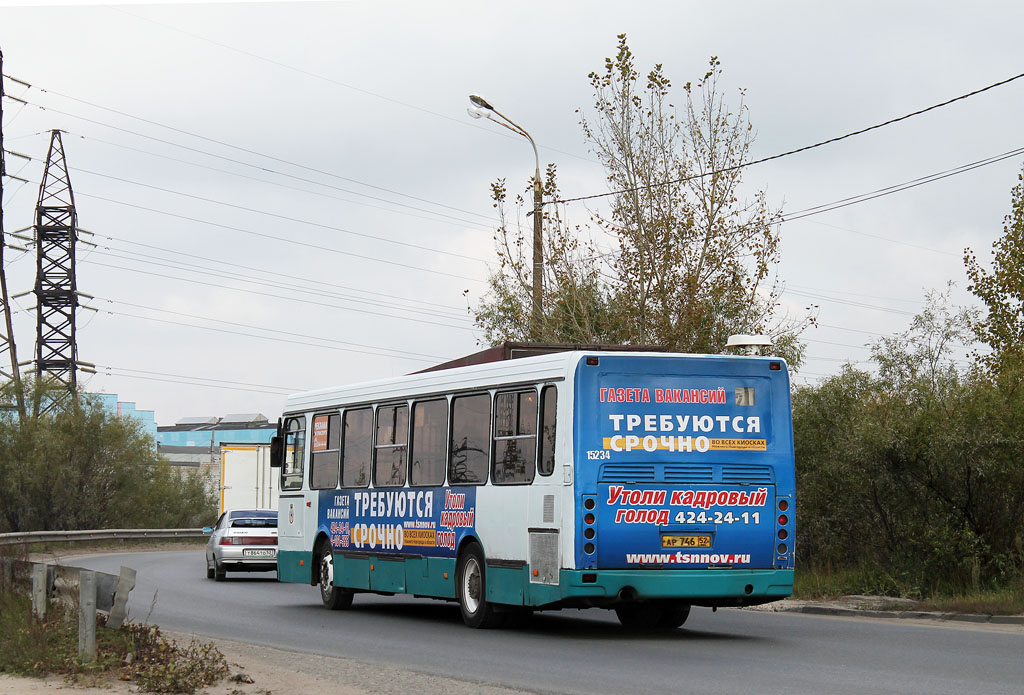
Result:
pixel 425 576
pixel 294 566
pixel 352 572
pixel 542 594
pixel 506 585
pixel 387 574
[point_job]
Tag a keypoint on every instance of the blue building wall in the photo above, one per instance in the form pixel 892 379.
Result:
pixel 110 403
pixel 214 437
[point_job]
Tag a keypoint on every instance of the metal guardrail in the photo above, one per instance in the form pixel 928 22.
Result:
pixel 97 535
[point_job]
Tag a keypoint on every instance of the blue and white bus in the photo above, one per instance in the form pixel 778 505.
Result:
pixel 642 482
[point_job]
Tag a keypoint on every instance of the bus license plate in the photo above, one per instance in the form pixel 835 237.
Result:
pixel 258 552
pixel 686 541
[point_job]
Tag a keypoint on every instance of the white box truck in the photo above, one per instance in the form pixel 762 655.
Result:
pixel 246 479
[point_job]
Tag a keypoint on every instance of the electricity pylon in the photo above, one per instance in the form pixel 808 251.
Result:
pixel 56 292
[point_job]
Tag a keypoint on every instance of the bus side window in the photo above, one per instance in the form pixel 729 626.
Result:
pixel 515 437
pixel 357 445
pixel 429 432
pixel 294 453
pixel 469 447
pixel 325 459
pixel 548 401
pixel 390 452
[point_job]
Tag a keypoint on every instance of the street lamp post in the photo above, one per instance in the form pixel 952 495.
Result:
pixel 482 109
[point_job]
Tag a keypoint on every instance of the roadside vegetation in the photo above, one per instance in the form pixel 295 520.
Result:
pixel 911 475
pixel 76 466
pixel 30 646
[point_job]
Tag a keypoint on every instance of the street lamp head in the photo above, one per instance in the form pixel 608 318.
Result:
pixel 480 101
pixel 477 112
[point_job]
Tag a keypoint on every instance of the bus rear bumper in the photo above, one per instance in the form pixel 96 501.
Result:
pixel 697 587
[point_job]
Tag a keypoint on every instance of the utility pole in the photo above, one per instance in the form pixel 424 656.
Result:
pixel 56 291
pixel 7 334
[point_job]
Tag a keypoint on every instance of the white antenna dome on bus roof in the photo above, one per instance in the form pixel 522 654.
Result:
pixel 748 344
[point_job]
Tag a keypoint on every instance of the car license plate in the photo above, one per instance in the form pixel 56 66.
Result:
pixel 258 552
pixel 686 541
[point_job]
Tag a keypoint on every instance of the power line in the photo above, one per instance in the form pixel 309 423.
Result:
pixel 275 215
pixel 178 382
pixel 399 353
pixel 264 337
pixel 884 238
pixel 742 165
pixel 449 219
pixel 314 283
pixel 317 76
pixel 277 296
pixel 201 378
pixel 227 275
pixel 276 238
pixel 234 147
pixel 827 207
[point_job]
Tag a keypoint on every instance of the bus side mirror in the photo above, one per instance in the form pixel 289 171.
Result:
pixel 276 452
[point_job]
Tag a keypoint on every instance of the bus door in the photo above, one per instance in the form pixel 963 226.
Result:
pixel 291 516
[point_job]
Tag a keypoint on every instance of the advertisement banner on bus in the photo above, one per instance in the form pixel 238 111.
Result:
pixel 418 521
pixel 686 526
pixel 671 417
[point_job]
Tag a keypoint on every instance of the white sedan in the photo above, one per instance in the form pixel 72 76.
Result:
pixel 243 540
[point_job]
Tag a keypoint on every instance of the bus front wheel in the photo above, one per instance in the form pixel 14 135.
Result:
pixel 471 589
pixel 334 598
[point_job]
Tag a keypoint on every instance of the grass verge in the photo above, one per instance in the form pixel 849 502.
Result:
pixel 30 646
pixel 811 584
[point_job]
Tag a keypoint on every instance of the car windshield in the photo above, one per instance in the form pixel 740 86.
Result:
pixel 253 523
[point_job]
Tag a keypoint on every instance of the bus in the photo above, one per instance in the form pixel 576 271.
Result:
pixel 641 482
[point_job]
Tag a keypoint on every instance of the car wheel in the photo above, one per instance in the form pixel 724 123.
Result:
pixel 209 571
pixel 471 590
pixel 334 598
pixel 219 573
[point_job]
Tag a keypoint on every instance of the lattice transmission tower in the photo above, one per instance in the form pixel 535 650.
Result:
pixel 56 232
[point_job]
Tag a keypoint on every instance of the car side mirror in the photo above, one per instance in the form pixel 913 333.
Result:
pixel 207 530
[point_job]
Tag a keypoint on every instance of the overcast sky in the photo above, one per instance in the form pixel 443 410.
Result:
pixel 291 195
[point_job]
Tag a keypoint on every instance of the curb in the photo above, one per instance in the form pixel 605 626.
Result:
pixel 920 615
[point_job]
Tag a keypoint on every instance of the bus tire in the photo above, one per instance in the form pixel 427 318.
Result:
pixel 673 615
pixel 652 615
pixel 334 598
pixel 471 590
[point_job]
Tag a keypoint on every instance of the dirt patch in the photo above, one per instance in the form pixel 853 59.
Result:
pixel 257 670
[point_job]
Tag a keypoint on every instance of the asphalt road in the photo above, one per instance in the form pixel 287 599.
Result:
pixel 579 651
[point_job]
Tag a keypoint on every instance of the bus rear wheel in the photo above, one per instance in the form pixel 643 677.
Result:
pixel 334 598
pixel 471 590
pixel 653 615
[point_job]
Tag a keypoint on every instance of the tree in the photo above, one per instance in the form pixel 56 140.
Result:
pixel 1001 289
pixel 914 476
pixel 691 262
pixel 81 467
